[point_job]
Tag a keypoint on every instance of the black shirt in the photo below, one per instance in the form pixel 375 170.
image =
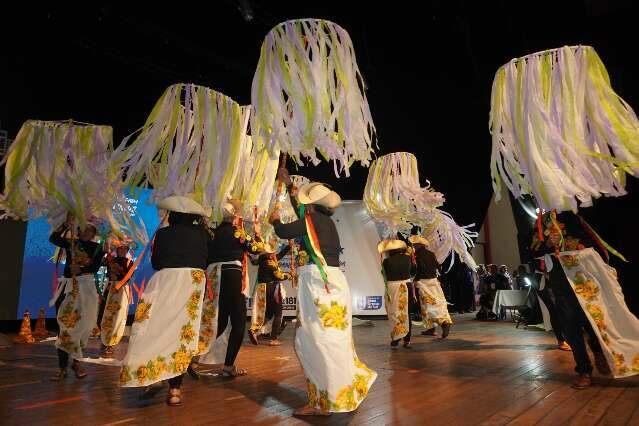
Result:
pixel 326 234
pixel 226 247
pixel 426 264
pixel 180 246
pixel 573 228
pixel 116 274
pixel 397 267
pixel 268 270
pixel 83 250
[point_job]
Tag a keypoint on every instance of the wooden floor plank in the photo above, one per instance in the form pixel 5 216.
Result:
pixel 485 373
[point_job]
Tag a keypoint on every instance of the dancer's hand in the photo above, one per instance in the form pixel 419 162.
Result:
pixel 282 175
pixel 275 215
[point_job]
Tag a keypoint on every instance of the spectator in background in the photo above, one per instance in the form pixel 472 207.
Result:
pixel 488 288
pixel 503 280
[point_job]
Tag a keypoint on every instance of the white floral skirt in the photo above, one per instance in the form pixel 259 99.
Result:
pixel 78 313
pixel 259 324
pixel 212 349
pixel 397 309
pixel 116 311
pixel 164 336
pixel 337 381
pixel 432 303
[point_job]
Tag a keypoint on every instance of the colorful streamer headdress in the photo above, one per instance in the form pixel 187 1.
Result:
pixel 191 143
pixel 309 96
pixel 559 131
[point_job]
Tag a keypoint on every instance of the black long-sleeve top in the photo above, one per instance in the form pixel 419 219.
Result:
pixel 229 243
pixel 397 267
pixel 574 230
pixel 268 270
pixel 426 264
pixel 326 234
pixel 117 268
pixel 180 246
pixel 83 250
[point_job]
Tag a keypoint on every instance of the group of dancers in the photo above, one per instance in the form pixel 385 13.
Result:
pixel 193 309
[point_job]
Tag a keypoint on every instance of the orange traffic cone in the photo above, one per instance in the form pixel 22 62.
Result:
pixel 41 326
pixel 25 330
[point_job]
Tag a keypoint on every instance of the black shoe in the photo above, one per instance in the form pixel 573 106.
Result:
pixel 429 332
pixel 194 375
pixel 394 343
pixel 445 330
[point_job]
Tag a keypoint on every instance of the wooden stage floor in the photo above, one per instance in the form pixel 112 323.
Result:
pixel 485 373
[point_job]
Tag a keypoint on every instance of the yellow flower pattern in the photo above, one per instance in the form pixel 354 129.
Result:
pixel 401 317
pixel 620 361
pixel 311 392
pixel 67 343
pixel 193 307
pixel 333 316
pixel 302 258
pixel 142 311
pixel 181 360
pixel 597 315
pixel 197 276
pixel 188 334
pixel 569 261
pixel 585 287
pixel 260 301
pixel 635 364
pixel 345 399
pixel 206 325
pixel 70 316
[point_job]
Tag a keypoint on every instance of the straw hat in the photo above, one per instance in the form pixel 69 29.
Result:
pixel 418 239
pixel 388 245
pixel 318 193
pixel 183 204
pixel 231 208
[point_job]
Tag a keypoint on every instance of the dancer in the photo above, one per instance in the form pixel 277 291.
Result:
pixel 431 297
pixel 396 268
pixel 564 232
pixel 337 381
pixel 115 306
pixel 227 275
pixel 78 312
pixel 165 333
pixel 267 297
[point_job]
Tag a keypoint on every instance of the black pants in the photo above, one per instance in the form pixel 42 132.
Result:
pixel 233 306
pixel 274 308
pixel 574 324
pixel 63 359
pixel 176 382
pixel 548 297
pixel 103 300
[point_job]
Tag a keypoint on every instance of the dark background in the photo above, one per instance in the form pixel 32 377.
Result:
pixel 428 66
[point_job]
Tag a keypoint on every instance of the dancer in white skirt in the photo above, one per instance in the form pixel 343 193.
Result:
pixel 78 312
pixel 164 336
pixel 337 381
pixel 434 307
pixel 228 287
pixel 267 295
pixel 396 268
pixel 115 307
